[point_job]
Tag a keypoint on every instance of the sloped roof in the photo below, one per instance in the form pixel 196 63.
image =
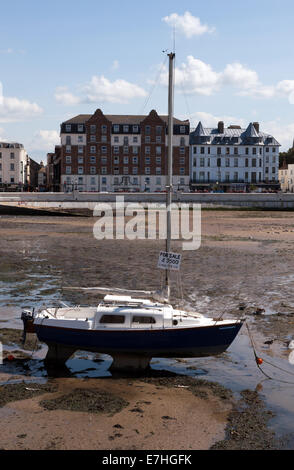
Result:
pixel 230 133
pixel 120 119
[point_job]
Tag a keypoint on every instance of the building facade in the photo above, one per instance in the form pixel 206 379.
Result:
pixel 14 166
pixel 233 158
pixel 53 170
pixel 122 153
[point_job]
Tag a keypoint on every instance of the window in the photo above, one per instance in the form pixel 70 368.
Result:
pixel 103 170
pixel 274 149
pixel 135 159
pixel 227 162
pixel 147 160
pixel 68 127
pixel 126 140
pixel 12 179
pixel 12 155
pixel 235 176
pixel 147 170
pixel 254 162
pixel 126 128
pixel 92 129
pixel 68 140
pixel 219 150
pixel 116 160
pixel 116 128
pixel 147 150
pixel 228 150
pixel 116 139
pixel 267 149
pixel 0 154
pixel 158 180
pixel 235 162
pixel 126 160
pixel 135 139
pixel 112 319
pixel 182 129
pixel 11 166
pixel 158 150
pixel 93 149
pixel 135 149
pixel 254 151
pixel 194 150
pixel 103 129
pixel 147 139
pixel 158 160
pixel 68 170
pixel 80 170
pixel 103 160
pixel 182 171
pixel 246 162
pixel 247 151
pixel 80 128
pixel 104 180
pixel 92 170
pixel 135 170
pixel 146 319
pixel 80 138
pixel 115 149
pixel 68 159
pixel 235 150
pixel 93 182
pixel 135 129
pixel 80 149
pixel 158 171
pixel 182 150
pixel 68 148
pixel 158 139
pixel 103 149
pixel 92 159
pixel 158 130
pixel 104 139
pixel 126 170
pixel 147 130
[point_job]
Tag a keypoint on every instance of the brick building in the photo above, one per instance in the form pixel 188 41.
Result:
pixel 122 153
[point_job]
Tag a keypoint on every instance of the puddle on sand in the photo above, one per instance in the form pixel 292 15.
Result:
pixel 236 370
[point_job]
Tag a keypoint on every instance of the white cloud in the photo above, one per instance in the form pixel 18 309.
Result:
pixel 209 120
pixel 115 65
pixel 63 96
pixel 100 89
pixel 198 77
pixel 195 77
pixel 14 109
pixel 44 140
pixel 187 24
pixel 284 133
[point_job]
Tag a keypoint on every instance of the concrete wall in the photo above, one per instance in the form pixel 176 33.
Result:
pixel 88 200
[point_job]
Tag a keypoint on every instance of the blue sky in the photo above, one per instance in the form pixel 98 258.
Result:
pixel 62 58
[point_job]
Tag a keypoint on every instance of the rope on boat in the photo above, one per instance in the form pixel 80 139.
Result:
pixel 259 361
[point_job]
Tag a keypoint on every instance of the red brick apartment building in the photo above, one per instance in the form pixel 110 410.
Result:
pixel 122 153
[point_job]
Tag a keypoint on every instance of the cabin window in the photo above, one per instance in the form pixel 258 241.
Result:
pixel 141 319
pixel 112 319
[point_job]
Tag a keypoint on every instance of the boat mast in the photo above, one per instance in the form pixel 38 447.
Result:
pixel 169 183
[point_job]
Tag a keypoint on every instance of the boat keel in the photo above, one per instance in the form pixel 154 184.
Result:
pixel 129 362
pixel 58 354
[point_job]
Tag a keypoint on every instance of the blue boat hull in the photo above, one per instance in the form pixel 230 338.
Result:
pixel 168 342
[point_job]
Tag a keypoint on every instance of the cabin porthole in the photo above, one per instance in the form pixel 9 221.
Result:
pixel 175 322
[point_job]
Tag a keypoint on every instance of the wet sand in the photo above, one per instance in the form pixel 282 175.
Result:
pixel 244 267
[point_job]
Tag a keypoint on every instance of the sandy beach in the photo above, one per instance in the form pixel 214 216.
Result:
pixel 243 268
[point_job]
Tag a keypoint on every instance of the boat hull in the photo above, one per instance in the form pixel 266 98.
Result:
pixel 168 342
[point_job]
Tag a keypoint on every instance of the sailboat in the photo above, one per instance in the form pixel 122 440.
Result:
pixel 133 326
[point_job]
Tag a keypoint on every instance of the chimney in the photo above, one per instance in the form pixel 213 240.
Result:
pixel 220 127
pixel 256 125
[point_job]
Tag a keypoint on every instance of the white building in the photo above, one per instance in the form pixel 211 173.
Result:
pixel 14 166
pixel 286 178
pixel 233 158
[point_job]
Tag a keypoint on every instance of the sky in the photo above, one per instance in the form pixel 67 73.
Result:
pixel 234 62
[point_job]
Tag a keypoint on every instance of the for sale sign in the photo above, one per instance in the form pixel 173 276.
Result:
pixel 169 260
